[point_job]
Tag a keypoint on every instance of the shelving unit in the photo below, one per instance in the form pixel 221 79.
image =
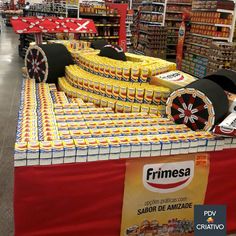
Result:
pixel 208 26
pixel 150 32
pixel 108 26
pixel 174 13
pixel 128 23
pixel 153 13
pixel 222 56
pixel 8 14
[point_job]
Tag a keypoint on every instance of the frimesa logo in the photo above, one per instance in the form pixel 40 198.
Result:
pixel 172 76
pixel 168 177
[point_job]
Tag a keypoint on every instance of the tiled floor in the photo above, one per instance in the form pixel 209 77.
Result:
pixel 10 83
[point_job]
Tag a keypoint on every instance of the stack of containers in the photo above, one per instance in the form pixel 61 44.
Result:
pixel 86 133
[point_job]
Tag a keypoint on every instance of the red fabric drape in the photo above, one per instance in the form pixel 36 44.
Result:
pixel 86 198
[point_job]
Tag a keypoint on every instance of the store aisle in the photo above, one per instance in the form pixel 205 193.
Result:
pixel 10 83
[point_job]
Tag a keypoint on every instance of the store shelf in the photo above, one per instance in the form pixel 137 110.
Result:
pixel 173 19
pixel 172 36
pixel 176 28
pixel 107 25
pixel 172 44
pixel 138 52
pixel 153 3
pixel 197 54
pixel 46 12
pixel 199 45
pixel 100 37
pixel 215 10
pixel 191 73
pixel 73 7
pixel 211 24
pixel 179 3
pixel 153 12
pixel 175 12
pixel 171 54
pixel 148 32
pixel 97 15
pixel 209 37
pixel 150 22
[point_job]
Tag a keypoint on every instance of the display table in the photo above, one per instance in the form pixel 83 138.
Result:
pixel 86 198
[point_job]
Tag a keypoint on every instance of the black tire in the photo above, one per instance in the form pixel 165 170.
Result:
pixel 200 105
pixel 225 79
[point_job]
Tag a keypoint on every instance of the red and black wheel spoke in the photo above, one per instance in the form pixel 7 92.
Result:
pixel 190 110
pixel 36 65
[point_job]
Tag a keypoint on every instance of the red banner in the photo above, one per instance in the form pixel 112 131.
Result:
pixel 40 24
pixel 86 198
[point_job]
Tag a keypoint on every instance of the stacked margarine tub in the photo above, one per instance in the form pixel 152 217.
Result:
pixel 122 85
pixel 54 129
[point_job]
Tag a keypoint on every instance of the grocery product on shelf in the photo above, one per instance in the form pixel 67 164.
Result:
pixel 106 19
pixel 212 5
pixel 222 56
pixel 211 22
pixel 129 22
pixel 152 40
pixel 150 34
pixel 54 129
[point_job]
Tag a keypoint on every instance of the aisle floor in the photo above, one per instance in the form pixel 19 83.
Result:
pixel 10 84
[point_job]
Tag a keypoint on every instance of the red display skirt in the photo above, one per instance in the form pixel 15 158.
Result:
pixel 85 199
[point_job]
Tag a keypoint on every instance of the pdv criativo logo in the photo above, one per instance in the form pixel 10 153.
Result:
pixel 210 220
pixel 168 177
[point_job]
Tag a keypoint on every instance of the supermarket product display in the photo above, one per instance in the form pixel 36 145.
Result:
pixel 135 69
pixel 122 85
pixel 53 128
pixel 173 79
pixel 111 109
pixel 198 105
